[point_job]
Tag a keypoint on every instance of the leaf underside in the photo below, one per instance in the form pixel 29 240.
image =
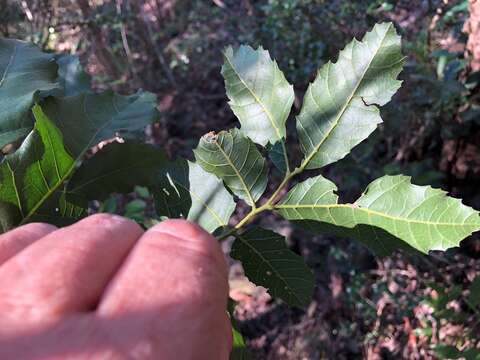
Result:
pixel 340 107
pixel 184 189
pixel 269 263
pixel 391 211
pixel 236 160
pixel 259 94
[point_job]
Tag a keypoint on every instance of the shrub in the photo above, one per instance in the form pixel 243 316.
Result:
pixel 48 106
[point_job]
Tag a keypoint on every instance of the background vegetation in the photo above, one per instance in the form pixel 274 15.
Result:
pixel 402 306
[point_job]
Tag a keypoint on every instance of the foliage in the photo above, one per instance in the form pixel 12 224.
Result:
pixel 58 169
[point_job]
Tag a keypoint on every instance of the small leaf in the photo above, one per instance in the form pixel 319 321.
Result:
pixel 236 160
pixel 26 75
pixel 134 207
pixel 269 263
pixel 390 209
pixel 240 351
pixel 340 107
pixel 72 78
pixel 259 94
pixel 239 348
pixel 184 189
pixel 116 168
pixel 277 156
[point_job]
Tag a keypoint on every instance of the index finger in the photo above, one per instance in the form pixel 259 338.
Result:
pixel 14 241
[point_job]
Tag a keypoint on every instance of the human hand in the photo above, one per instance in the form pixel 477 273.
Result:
pixel 105 289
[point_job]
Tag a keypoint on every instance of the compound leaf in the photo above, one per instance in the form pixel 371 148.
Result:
pixel 340 107
pixel 116 168
pixel 268 262
pixel 391 209
pixel 26 75
pixel 259 94
pixel 184 189
pixel 236 160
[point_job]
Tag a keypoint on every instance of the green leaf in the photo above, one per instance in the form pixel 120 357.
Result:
pixel 240 351
pixel 87 119
pixel 340 107
pixel 26 75
pixel 33 173
pixel 236 160
pixel 268 262
pixel 135 206
pixel 474 296
pixel 276 153
pixel 239 348
pixel 184 189
pixel 447 352
pixel 390 209
pixel 64 129
pixel 72 78
pixel 116 168
pixel 259 94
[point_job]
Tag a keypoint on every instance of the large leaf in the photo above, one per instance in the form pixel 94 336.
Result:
pixel 340 107
pixel 65 128
pixel 390 209
pixel 116 168
pixel 87 119
pixel 268 262
pixel 33 173
pixel 259 94
pixel 26 75
pixel 184 189
pixel 234 158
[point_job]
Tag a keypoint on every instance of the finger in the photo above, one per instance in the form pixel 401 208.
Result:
pixel 18 239
pixel 176 275
pixel 67 270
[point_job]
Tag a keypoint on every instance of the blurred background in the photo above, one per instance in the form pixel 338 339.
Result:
pixel 403 306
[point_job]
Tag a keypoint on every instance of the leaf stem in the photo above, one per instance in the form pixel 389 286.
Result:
pixel 270 203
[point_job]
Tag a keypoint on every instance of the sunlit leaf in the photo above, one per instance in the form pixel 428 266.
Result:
pixel 235 159
pixel 391 209
pixel 340 108
pixel 259 94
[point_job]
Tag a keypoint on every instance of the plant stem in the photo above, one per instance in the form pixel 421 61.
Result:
pixel 269 204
